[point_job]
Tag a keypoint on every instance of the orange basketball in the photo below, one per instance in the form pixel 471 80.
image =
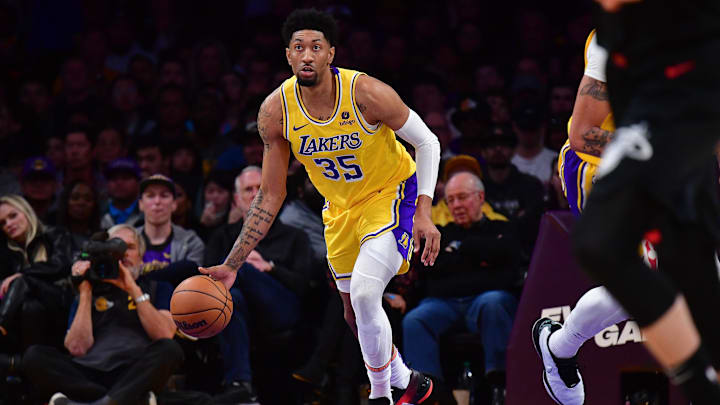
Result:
pixel 201 307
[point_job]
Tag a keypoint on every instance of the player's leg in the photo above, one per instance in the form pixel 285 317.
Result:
pixel 607 250
pixel 377 263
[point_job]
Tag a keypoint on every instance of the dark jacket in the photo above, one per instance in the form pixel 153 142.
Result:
pixel 481 258
pixel 58 244
pixel 286 246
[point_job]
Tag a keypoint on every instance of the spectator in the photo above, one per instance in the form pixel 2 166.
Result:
pixel 562 99
pixel 171 113
pixel 55 151
pixel 557 132
pixel 471 118
pixel 121 351
pixel 173 72
pixel 441 214
pixel 207 116
pixel 122 43
pixel 33 260
pixel 252 145
pixel 516 195
pixel 79 212
pixel 166 242
pixel 234 86
pixel 217 199
pixel 35 108
pixel 488 79
pixel 499 108
pixel 183 214
pixel 210 62
pixel 151 157
pixel 110 145
pixel 78 159
pixel 531 156
pixel 186 166
pixel 272 282
pixel 468 285
pixel 142 69
pixel 303 210
pixel 77 94
pixel 127 112
pixel 123 180
pixel 39 186
pixel 438 124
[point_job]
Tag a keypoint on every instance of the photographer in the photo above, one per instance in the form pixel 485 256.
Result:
pixel 120 336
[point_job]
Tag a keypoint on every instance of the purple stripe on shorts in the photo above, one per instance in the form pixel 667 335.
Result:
pixel 570 169
pixel 403 232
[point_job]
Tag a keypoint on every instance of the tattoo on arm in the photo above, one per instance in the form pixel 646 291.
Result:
pixel 257 222
pixel 595 89
pixel 595 140
pixel 263 121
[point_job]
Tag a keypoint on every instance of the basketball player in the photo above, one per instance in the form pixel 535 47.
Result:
pixel 663 75
pixel 590 129
pixel 341 126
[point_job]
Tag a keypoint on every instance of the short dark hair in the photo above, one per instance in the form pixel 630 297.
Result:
pixel 310 19
pixel 86 130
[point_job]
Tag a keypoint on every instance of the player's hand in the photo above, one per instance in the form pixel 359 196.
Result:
pixel 6 284
pixel 222 273
pixel 614 5
pixel 425 229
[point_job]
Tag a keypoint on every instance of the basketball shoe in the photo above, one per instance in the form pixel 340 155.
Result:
pixel 418 390
pixel 561 377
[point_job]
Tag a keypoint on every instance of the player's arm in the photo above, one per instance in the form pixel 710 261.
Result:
pixel 269 198
pixel 590 110
pixel 614 5
pixel 378 102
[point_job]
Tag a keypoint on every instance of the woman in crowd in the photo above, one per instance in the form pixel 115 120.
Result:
pixel 79 212
pixel 34 269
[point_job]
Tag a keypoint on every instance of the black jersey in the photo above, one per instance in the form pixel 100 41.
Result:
pixel 648 30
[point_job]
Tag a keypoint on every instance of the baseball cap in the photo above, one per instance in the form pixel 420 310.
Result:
pixel 158 179
pixel 499 135
pixel 528 116
pixel 468 109
pixel 461 163
pixel 123 165
pixel 38 167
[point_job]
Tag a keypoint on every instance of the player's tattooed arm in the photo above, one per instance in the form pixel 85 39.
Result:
pixel 595 140
pixel 591 110
pixel 595 89
pixel 269 199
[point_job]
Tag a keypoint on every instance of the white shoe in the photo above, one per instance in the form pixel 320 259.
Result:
pixel 58 399
pixel 561 377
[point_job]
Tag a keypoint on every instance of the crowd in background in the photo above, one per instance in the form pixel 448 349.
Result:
pixel 143 113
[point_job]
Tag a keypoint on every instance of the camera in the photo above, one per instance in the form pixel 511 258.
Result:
pixel 103 256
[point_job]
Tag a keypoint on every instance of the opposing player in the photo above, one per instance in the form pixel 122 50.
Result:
pixel 659 171
pixel 341 126
pixel 590 129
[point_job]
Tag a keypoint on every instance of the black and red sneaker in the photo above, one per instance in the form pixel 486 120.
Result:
pixel 418 390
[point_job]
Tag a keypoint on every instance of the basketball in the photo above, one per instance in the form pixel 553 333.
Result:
pixel 201 307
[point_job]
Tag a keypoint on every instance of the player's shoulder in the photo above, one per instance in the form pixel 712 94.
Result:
pixel 272 103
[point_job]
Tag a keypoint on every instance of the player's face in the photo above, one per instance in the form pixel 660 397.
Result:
pixel 309 55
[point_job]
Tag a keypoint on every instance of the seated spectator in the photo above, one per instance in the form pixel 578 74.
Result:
pixel 216 198
pixel 462 163
pixel 79 213
pixel 531 156
pixel 79 143
pixel 186 167
pixel 151 157
pixel 183 214
pixel 34 259
pixel 123 181
pixel 303 210
pixel 468 286
pixel 110 145
pixel 272 282
pixel 172 112
pixel 166 242
pixel 516 195
pixel 120 338
pixel 39 184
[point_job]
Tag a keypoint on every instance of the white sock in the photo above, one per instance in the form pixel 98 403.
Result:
pixel 376 264
pixel 400 373
pixel 594 311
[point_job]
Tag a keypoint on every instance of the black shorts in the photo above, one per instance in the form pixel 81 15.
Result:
pixel 668 120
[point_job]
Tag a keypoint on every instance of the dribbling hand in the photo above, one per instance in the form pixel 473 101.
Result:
pixel 221 272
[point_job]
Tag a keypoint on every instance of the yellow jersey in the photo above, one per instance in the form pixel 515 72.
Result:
pixel 347 159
